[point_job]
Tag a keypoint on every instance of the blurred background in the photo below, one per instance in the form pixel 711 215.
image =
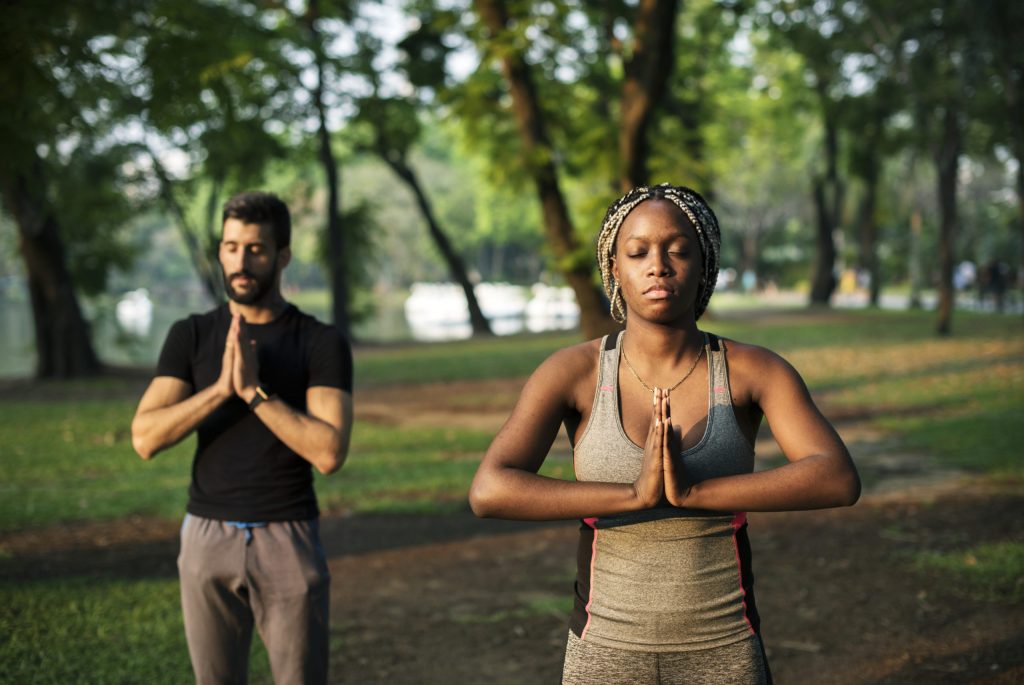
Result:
pixel 448 163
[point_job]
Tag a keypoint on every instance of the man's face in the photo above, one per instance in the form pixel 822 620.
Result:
pixel 249 260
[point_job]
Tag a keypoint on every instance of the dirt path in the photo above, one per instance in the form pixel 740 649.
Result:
pixel 840 601
pixel 452 599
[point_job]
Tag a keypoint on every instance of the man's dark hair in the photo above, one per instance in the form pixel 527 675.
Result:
pixel 266 209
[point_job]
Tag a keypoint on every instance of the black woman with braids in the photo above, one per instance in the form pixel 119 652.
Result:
pixel 662 418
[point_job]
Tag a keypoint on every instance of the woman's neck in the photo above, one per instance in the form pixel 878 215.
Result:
pixel 662 345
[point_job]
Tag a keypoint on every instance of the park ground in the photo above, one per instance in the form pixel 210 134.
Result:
pixel 921 582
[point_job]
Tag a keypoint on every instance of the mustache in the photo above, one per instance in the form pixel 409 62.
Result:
pixel 241 274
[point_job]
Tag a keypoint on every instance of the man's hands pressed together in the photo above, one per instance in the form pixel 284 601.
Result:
pixel 241 362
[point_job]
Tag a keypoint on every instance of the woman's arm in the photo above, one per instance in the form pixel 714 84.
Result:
pixel 507 484
pixel 820 472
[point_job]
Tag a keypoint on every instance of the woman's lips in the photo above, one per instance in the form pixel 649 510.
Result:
pixel 657 292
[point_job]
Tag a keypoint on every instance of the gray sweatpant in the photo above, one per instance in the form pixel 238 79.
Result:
pixel 273 576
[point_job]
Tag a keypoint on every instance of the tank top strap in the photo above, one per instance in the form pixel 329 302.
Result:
pixel 608 373
pixel 719 371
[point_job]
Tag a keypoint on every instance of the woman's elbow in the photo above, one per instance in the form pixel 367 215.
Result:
pixel 482 498
pixel 848 489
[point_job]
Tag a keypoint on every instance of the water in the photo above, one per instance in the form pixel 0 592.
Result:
pixel 116 344
pixel 131 330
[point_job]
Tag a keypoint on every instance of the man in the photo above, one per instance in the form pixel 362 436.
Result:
pixel 268 391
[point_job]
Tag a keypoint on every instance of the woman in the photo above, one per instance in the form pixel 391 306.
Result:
pixel 662 418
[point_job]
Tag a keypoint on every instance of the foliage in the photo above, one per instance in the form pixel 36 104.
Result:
pixel 991 571
pixel 60 98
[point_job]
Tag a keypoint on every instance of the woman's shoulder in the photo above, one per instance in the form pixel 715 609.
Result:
pixel 755 368
pixel 747 354
pixel 575 359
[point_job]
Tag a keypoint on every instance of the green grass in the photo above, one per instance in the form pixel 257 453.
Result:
pixel 66 461
pixel 106 632
pixel 959 399
pixel 992 571
pixel 500 357
pixel 70 461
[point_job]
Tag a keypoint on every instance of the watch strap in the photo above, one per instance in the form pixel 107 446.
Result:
pixel 260 397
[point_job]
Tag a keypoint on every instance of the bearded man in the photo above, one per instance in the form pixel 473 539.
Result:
pixel 268 391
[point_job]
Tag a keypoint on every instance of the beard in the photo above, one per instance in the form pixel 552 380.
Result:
pixel 262 285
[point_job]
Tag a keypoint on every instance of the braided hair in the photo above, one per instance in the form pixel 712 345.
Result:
pixel 696 210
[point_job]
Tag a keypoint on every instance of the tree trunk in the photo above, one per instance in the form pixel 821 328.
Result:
pixel 828 202
pixel 63 338
pixel 947 158
pixel 823 280
pixel 206 266
pixel 750 250
pixel 868 233
pixel 914 265
pixel 335 231
pixel 575 265
pixel 455 266
pixel 647 73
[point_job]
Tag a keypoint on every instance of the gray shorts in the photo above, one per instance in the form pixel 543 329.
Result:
pixel 741 663
pixel 274 577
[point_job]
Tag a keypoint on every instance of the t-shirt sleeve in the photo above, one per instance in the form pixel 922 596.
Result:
pixel 331 360
pixel 176 354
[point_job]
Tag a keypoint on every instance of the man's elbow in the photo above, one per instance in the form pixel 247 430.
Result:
pixel 142 446
pixel 331 460
pixel 328 465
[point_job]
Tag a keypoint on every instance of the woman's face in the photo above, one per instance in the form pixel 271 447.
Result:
pixel 658 262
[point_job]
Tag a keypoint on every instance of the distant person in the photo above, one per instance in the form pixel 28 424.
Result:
pixel 994 282
pixel 662 418
pixel 267 389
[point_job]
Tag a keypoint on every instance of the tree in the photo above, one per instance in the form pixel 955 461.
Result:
pixel 60 172
pixel 394 127
pixel 944 74
pixel 820 32
pixel 539 153
pixel 647 72
pixel 208 97
pixel 1001 24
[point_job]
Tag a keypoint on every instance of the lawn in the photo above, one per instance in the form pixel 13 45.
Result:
pixel 958 399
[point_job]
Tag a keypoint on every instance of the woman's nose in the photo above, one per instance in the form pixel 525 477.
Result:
pixel 658 263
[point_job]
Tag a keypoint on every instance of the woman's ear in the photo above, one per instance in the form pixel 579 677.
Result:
pixel 615 268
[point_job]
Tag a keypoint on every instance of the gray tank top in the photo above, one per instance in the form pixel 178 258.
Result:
pixel 664 579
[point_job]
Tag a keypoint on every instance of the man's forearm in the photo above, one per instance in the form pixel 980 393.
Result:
pixel 315 440
pixel 157 429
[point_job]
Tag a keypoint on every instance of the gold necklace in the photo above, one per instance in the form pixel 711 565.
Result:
pixel 680 382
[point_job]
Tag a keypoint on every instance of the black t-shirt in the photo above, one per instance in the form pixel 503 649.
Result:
pixel 242 471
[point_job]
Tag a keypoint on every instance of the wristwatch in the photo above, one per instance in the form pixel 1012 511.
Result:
pixel 261 396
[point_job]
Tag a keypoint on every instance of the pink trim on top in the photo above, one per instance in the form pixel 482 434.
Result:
pixel 737 522
pixel 607 388
pixel 592 522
